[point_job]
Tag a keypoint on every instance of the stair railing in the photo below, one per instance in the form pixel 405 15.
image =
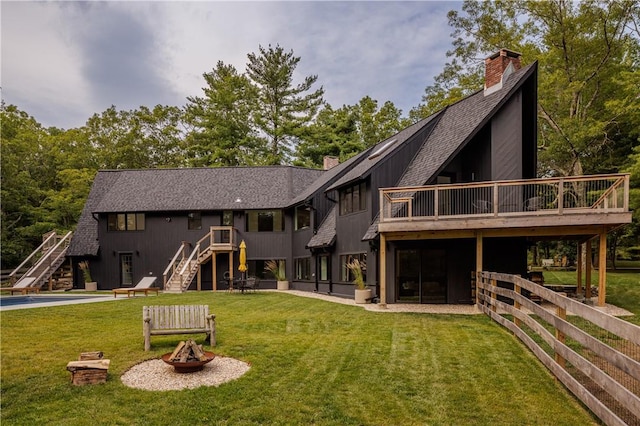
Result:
pixel 174 263
pixel 46 243
pixel 187 268
pixel 48 261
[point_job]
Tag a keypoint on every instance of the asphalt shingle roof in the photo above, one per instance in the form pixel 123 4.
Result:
pixel 457 126
pixel 85 238
pixel 205 189
pixel 368 164
pixel 326 234
pixel 328 177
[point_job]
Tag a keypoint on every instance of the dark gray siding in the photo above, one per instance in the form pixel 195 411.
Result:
pixel 475 158
pixel 152 249
pixel 506 141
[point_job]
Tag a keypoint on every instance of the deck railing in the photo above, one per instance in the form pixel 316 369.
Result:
pixel 595 355
pixel 553 196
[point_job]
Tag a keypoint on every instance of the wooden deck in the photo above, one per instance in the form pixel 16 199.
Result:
pixel 583 205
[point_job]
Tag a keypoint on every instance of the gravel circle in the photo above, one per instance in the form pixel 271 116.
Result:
pixel 157 375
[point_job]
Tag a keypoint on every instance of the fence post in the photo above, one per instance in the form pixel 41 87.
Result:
pixel 516 304
pixel 562 313
pixel 494 283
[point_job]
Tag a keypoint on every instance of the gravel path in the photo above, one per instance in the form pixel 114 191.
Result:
pixel 157 375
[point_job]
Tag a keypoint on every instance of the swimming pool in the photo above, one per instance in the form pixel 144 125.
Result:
pixel 35 301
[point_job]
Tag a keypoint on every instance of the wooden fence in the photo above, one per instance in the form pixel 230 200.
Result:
pixel 595 355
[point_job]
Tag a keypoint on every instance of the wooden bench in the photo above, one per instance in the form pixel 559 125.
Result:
pixel 177 319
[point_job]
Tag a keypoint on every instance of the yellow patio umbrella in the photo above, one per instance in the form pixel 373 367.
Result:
pixel 243 257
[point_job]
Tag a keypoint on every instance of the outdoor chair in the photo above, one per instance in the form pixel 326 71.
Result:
pixel 24 286
pixel 143 286
pixel 532 204
pixel 482 206
pixel 252 283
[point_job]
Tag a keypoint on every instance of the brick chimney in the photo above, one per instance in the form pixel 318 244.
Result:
pixel 329 162
pixel 496 65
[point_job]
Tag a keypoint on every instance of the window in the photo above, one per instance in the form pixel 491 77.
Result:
pixel 227 218
pixel 303 268
pixel 195 221
pixel 256 269
pixel 345 273
pixel 353 199
pixel 324 268
pixel 125 222
pixel 302 218
pixel 265 221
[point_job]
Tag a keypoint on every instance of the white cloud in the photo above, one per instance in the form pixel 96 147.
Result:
pixel 63 62
pixel 40 63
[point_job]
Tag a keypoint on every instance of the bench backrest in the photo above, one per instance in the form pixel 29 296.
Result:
pixel 176 316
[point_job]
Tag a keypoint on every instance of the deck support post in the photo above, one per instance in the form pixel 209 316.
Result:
pixel 199 278
pixel 231 266
pixel 579 270
pixel 478 263
pixel 383 271
pixel 214 286
pixel 602 268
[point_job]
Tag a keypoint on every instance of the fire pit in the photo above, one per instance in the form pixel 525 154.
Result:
pixel 188 357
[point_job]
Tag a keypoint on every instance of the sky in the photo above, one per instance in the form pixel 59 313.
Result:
pixel 62 62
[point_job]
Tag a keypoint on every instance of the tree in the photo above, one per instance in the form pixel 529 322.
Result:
pixel 333 133
pixel 135 139
pixel 284 109
pixel 22 154
pixel 375 125
pixel 223 133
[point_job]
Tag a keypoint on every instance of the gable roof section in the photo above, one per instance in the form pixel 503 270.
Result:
pixel 459 123
pixel 457 126
pixel 367 165
pixel 85 238
pixel 326 234
pixel 223 188
pixel 329 177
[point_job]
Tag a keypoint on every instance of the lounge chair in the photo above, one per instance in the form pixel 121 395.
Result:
pixel 24 286
pixel 144 286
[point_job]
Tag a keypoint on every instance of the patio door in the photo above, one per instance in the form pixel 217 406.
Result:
pixel 433 286
pixel 126 269
pixel 421 276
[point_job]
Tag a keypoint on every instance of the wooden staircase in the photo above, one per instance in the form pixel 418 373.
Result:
pixel 186 262
pixel 44 261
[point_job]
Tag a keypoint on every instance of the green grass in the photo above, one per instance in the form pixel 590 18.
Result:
pixel 623 288
pixel 312 362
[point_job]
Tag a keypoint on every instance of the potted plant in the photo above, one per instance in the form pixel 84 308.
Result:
pixel 277 269
pixel 362 293
pixel 89 284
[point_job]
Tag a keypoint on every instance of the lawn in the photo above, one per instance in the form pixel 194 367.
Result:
pixel 623 288
pixel 313 362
